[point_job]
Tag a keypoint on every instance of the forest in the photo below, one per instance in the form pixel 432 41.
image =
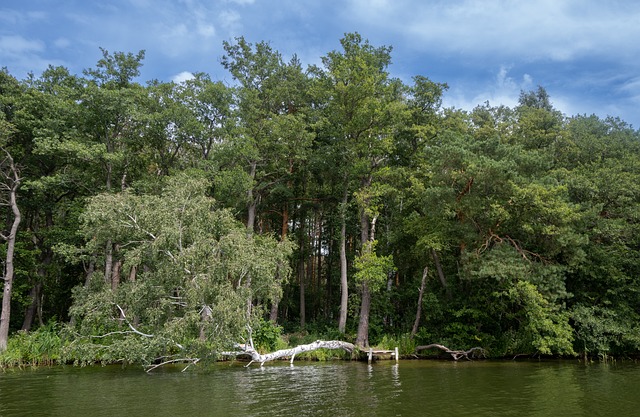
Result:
pixel 158 221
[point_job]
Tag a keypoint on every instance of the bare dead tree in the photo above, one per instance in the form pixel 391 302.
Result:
pixel 248 350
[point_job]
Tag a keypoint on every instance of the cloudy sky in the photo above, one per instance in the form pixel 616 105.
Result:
pixel 586 53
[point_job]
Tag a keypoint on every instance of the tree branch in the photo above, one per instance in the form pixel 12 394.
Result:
pixel 455 354
pixel 136 331
pixel 192 361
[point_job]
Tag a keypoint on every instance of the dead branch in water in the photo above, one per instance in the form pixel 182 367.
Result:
pixel 455 354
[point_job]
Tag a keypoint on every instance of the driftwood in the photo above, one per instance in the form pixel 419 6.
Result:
pixel 455 354
pixel 284 353
pixel 190 361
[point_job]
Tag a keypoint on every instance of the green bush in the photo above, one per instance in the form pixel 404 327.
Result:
pixel 268 336
pixel 40 347
pixel 405 344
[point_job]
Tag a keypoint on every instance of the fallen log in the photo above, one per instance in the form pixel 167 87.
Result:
pixel 455 354
pixel 284 353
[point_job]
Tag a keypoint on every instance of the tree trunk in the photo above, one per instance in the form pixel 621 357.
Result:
pixel 301 276
pixel 108 262
pixel 33 309
pixel 423 284
pixel 132 273
pixel 252 201
pixel 12 183
pixel 115 275
pixel 89 270
pixel 273 313
pixel 291 353
pixel 344 285
pixel 443 280
pixel 367 232
pixel 362 339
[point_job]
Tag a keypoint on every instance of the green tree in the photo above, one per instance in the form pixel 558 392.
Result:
pixel 194 262
pixel 272 136
pixel 363 107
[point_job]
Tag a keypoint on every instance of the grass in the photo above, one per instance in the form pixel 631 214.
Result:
pixel 40 347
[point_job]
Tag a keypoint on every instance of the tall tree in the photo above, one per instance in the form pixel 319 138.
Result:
pixel 112 125
pixel 363 105
pixel 273 136
pixel 11 181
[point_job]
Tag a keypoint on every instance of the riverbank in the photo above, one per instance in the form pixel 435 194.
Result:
pixel 48 347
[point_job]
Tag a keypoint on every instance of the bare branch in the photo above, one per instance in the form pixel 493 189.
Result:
pixel 455 354
pixel 136 331
pixel 192 361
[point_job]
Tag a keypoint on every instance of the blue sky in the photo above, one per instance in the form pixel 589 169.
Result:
pixel 586 53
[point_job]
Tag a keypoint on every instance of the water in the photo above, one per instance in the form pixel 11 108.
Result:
pixel 410 388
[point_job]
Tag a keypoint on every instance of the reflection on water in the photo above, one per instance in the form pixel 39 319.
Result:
pixel 410 388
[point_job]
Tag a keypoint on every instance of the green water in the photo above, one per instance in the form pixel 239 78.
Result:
pixel 410 388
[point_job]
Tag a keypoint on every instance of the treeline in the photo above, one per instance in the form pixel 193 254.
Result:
pixel 176 218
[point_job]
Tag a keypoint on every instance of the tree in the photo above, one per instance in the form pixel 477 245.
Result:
pixel 272 138
pixel 193 261
pixel 108 102
pixel 363 104
pixel 11 181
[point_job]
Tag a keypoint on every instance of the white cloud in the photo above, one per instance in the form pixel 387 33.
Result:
pixel 16 45
pixel 62 43
pixel 22 56
pixel 543 29
pixel 14 16
pixel 37 15
pixel 502 90
pixel 182 77
pixel 205 30
pixel 230 20
pixel 632 86
pixel 242 2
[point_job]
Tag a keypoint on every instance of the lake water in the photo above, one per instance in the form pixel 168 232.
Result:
pixel 410 388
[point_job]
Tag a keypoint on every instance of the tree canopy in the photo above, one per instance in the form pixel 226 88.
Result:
pixel 176 219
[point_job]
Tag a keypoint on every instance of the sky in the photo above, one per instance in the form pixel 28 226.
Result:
pixel 585 53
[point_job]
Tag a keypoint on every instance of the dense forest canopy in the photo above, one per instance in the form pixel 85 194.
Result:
pixel 149 219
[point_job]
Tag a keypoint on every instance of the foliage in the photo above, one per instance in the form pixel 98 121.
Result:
pixel 158 218
pixel 41 347
pixel 267 337
pixel 405 343
pixel 199 269
pixel 372 268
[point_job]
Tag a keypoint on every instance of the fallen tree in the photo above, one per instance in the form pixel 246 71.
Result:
pixel 455 354
pixel 289 353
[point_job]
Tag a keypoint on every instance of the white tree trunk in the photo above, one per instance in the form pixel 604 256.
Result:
pixel 344 284
pixel 11 184
pixel 291 353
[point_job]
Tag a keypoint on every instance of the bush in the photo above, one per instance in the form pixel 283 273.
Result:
pixel 40 347
pixel 268 337
pixel 405 344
